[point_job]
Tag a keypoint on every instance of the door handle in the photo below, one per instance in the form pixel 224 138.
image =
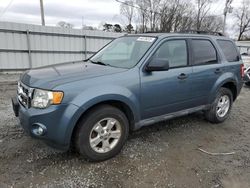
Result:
pixel 218 71
pixel 182 76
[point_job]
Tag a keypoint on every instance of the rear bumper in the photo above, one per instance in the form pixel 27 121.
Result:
pixel 57 120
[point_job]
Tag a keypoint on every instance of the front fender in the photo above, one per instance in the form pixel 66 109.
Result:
pixel 95 95
pixel 223 79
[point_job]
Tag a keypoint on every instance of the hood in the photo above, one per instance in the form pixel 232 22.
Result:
pixel 52 76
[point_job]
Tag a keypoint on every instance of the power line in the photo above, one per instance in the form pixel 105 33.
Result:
pixel 6 8
pixel 132 5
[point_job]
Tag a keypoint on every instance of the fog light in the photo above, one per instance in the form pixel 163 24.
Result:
pixel 38 129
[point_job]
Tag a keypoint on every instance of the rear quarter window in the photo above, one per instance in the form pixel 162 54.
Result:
pixel 229 50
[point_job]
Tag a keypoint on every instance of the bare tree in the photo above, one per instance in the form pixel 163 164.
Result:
pixel 142 12
pixel 184 16
pixel 168 13
pixel 154 13
pixel 212 23
pixel 174 15
pixel 243 18
pixel 127 10
pixel 177 15
pixel 227 9
pixel 203 8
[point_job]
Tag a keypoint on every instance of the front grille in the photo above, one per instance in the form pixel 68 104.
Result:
pixel 24 94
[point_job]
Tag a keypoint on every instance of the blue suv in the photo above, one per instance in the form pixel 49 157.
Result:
pixel 134 81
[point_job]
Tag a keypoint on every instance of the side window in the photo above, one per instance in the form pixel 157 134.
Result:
pixel 175 51
pixel 229 50
pixel 203 52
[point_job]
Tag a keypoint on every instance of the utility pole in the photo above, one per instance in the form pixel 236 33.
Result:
pixel 82 22
pixel 42 12
pixel 227 9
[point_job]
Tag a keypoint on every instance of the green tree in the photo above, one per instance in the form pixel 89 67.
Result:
pixel 129 28
pixel 117 28
pixel 107 27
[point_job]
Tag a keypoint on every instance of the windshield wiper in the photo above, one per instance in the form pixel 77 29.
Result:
pixel 98 62
pixel 85 60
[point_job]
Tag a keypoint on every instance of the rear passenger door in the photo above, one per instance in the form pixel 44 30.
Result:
pixel 206 69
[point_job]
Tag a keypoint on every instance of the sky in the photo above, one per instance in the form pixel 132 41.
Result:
pixel 88 12
pixel 80 12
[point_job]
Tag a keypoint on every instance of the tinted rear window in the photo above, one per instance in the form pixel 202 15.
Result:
pixel 229 50
pixel 204 52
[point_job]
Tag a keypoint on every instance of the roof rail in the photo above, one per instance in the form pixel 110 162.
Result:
pixel 202 32
pixel 154 32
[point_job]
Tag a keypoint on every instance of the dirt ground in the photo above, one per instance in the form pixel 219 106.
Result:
pixel 162 155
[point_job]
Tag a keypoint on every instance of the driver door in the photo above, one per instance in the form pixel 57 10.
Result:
pixel 164 92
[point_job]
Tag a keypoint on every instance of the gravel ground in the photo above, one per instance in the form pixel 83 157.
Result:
pixel 162 155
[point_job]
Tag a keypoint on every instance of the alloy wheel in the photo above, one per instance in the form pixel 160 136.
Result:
pixel 223 106
pixel 105 135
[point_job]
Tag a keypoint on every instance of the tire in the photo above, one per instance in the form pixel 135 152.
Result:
pixel 216 114
pixel 99 142
pixel 247 83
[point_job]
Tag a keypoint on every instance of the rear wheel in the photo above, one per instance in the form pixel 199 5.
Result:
pixel 102 133
pixel 247 83
pixel 221 106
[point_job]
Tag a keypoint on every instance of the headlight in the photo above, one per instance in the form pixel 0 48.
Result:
pixel 43 98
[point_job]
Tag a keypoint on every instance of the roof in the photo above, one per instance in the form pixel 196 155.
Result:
pixel 163 35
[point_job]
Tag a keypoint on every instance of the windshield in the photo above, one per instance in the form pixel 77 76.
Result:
pixel 124 52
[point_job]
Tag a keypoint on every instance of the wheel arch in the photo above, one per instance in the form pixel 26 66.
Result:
pixel 232 87
pixel 121 105
pixel 227 80
pixel 126 108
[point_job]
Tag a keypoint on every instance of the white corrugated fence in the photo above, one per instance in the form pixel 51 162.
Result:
pixel 24 46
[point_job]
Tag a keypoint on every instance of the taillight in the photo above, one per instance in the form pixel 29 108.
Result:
pixel 242 69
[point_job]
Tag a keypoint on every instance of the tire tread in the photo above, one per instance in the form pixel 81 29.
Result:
pixel 85 124
pixel 210 114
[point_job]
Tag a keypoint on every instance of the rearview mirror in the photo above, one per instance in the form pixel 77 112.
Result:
pixel 157 64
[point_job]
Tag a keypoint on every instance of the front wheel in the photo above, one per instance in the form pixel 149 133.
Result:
pixel 221 106
pixel 102 133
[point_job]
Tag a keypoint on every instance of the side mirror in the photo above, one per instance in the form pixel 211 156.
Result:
pixel 157 64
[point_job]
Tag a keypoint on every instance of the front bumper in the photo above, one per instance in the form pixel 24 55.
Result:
pixel 15 106
pixel 59 121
